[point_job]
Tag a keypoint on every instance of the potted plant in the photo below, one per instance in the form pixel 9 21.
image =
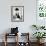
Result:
pixel 39 35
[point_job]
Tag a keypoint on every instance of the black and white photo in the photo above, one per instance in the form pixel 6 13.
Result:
pixel 17 13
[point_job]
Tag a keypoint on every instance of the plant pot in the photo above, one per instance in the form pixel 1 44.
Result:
pixel 40 41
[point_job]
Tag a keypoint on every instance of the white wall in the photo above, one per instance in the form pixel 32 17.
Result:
pixel 29 15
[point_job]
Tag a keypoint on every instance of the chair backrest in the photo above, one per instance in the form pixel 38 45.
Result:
pixel 14 30
pixel 24 37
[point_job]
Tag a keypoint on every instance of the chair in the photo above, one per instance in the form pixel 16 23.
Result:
pixel 14 32
pixel 7 35
pixel 26 41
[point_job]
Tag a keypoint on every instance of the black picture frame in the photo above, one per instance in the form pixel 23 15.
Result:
pixel 17 13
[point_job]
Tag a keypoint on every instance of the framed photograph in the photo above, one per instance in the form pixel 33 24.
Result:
pixel 17 13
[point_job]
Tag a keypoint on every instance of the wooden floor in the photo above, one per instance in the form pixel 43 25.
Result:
pixel 13 44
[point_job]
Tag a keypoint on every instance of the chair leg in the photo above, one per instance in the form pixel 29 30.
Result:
pixel 5 43
pixel 5 39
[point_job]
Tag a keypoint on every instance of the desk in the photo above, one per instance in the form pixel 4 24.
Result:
pixel 17 43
